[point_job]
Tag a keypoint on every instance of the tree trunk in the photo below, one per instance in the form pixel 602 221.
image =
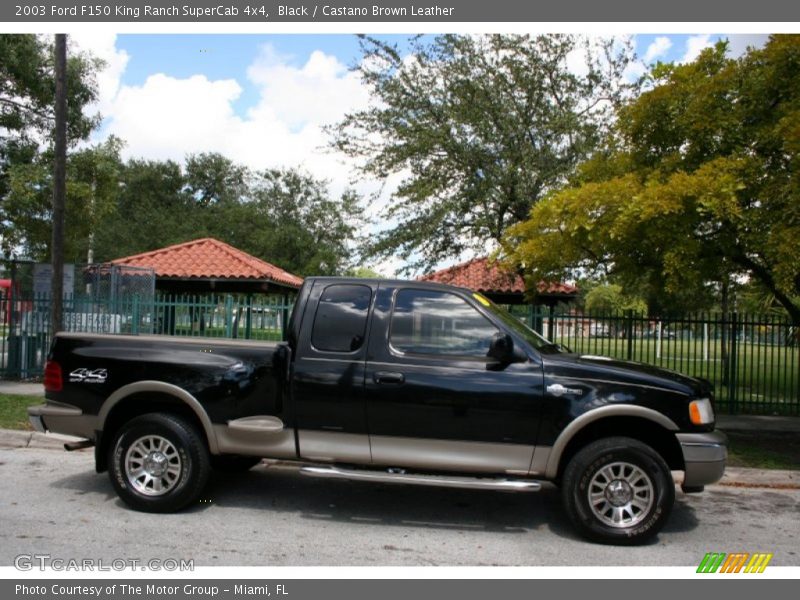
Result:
pixel 59 185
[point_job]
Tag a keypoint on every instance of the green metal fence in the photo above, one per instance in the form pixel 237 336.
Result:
pixel 752 360
pixel 25 322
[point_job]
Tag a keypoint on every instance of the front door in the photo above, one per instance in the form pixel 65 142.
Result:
pixel 328 374
pixel 434 399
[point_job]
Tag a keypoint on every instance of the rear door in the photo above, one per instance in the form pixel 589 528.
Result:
pixel 328 373
pixel 434 399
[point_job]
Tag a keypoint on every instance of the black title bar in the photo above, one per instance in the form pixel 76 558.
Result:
pixel 445 11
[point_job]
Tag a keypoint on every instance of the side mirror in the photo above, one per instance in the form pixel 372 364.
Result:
pixel 501 349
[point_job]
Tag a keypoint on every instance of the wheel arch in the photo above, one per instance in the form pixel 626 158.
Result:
pixel 637 422
pixel 143 397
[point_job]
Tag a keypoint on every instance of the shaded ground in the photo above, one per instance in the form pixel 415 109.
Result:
pixel 764 449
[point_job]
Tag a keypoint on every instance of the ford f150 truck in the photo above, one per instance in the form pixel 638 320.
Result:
pixel 389 381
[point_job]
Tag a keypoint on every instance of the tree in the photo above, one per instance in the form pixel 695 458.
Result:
pixel 297 225
pixel 151 209
pixel 27 95
pixel 285 217
pixel 699 185
pixel 59 184
pixel 479 128
pixel 93 181
pixel 612 299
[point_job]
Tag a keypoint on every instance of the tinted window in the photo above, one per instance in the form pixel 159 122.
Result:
pixel 431 322
pixel 341 320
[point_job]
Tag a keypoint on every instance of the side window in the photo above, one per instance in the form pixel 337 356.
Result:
pixel 341 320
pixel 433 322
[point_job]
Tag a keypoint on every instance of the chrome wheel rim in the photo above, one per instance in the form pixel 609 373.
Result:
pixel 621 494
pixel 152 465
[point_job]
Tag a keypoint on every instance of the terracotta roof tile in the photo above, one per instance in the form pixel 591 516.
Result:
pixel 208 258
pixel 483 275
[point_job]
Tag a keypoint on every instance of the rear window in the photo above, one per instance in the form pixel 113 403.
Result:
pixel 341 320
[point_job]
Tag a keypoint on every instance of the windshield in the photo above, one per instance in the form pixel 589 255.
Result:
pixel 521 329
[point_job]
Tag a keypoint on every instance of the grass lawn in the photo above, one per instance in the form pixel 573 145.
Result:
pixel 764 450
pixel 13 410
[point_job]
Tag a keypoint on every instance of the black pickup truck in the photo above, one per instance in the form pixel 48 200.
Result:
pixel 389 381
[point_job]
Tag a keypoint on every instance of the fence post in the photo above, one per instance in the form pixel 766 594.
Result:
pixel 228 316
pixel 733 376
pixel 135 316
pixel 285 317
pixel 248 332
pixel 629 331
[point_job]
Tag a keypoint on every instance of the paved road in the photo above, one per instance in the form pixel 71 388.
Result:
pixel 53 502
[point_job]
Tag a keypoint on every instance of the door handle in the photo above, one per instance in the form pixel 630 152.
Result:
pixel 388 377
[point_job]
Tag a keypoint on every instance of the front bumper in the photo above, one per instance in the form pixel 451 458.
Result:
pixel 704 457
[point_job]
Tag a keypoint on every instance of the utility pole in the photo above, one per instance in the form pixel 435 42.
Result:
pixel 59 186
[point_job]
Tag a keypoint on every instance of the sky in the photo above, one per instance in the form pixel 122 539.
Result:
pixel 263 100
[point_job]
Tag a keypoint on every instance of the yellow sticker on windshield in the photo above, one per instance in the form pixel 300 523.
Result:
pixel 481 299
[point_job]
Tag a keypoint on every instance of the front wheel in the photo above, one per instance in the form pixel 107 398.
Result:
pixel 158 463
pixel 618 490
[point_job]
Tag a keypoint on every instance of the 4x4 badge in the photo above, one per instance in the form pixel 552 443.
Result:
pixel 88 376
pixel 559 390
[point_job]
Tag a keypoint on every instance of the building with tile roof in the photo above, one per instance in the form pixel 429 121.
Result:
pixel 490 279
pixel 209 265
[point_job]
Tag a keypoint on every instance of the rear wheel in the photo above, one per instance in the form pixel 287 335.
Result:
pixel 158 463
pixel 618 491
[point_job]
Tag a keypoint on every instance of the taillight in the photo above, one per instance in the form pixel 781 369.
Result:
pixel 52 377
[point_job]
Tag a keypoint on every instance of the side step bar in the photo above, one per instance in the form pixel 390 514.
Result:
pixel 450 481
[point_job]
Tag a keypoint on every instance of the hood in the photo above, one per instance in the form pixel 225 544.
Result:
pixel 623 371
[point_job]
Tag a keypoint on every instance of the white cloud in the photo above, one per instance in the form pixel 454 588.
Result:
pixel 695 44
pixel 103 45
pixel 658 48
pixel 168 117
pixel 321 91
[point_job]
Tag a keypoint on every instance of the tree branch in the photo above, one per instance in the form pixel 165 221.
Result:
pixel 26 108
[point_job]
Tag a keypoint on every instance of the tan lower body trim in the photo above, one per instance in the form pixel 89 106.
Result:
pixel 451 455
pixel 333 446
pixel 255 443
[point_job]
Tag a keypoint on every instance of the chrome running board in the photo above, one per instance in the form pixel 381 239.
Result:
pixel 449 481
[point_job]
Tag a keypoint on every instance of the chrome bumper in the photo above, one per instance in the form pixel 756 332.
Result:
pixel 704 455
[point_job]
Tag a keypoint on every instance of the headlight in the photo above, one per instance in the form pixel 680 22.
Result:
pixel 701 412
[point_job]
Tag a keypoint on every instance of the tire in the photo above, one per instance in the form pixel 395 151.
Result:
pixel 232 463
pixel 158 463
pixel 631 491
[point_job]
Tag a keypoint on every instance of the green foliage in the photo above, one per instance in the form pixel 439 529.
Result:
pixel 151 209
pixel 364 273
pixel 27 92
pixel 293 220
pixel 92 186
pixel 699 185
pixel 285 217
pixel 610 298
pixel 479 128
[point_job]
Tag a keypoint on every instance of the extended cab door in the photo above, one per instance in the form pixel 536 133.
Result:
pixel 328 373
pixel 434 399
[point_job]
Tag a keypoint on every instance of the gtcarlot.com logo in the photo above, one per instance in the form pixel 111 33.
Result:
pixel 738 562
